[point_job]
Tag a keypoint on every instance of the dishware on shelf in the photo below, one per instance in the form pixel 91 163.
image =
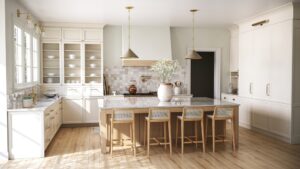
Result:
pixel 49 80
pixel 71 56
pixel 92 82
pixel 51 74
pixel 93 65
pixel 93 57
pixel 72 65
pixel 92 74
pixel 50 57
pixel 72 74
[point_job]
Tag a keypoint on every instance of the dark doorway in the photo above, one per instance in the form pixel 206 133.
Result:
pixel 202 75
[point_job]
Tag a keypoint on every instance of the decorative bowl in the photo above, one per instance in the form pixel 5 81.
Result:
pixel 50 57
pixel 71 56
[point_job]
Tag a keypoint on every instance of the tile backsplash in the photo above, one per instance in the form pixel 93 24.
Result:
pixel 119 78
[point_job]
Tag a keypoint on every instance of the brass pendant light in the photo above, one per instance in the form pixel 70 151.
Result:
pixel 129 54
pixel 193 54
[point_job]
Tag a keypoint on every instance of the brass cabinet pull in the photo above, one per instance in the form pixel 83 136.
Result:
pixel 261 23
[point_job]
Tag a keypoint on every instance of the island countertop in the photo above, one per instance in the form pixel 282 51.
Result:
pixel 153 102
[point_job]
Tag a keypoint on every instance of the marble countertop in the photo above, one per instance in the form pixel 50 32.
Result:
pixel 146 102
pixel 41 105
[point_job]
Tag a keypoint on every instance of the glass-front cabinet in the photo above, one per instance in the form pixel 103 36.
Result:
pixel 72 63
pixel 80 63
pixel 51 63
pixel 93 64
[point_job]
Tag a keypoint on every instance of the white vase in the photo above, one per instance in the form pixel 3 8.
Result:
pixel 165 92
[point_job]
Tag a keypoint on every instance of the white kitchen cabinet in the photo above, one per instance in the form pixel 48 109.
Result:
pixel 268 55
pixel 72 111
pixel 246 72
pixel 234 49
pixel 91 111
pixel 72 34
pixel 32 130
pixel 261 61
pixel 52 34
pixel 280 77
pixel 93 35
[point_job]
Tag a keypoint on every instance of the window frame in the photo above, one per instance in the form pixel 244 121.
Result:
pixel 32 34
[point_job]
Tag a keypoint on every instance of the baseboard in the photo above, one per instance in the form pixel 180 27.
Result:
pixel 276 136
pixel 245 125
pixel 80 125
pixel 295 140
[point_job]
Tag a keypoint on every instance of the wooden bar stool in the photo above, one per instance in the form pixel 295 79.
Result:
pixel 158 115
pixel 123 116
pixel 222 114
pixel 192 115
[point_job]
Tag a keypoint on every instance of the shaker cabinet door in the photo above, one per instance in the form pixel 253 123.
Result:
pixel 72 111
pixel 91 110
pixel 280 85
pixel 245 64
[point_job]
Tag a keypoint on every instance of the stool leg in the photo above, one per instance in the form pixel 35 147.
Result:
pixel 145 132
pixel 224 137
pixel 213 134
pixel 206 128
pixel 165 134
pixel 111 138
pixel 202 133
pixel 133 135
pixel 182 136
pixel 170 136
pixel 233 134
pixel 196 134
pixel 176 136
pixel 148 137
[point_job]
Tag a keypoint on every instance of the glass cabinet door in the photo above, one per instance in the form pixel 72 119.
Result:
pixel 93 68
pixel 72 63
pixel 51 63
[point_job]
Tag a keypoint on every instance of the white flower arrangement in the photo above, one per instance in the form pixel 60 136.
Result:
pixel 165 68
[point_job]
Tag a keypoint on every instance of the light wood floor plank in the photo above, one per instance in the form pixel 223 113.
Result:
pixel 79 148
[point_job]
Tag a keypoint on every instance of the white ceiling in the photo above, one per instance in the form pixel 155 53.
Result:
pixel 148 12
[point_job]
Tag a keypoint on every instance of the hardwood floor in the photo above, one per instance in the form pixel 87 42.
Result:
pixel 80 148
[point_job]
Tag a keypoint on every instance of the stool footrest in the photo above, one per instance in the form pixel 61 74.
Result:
pixel 158 142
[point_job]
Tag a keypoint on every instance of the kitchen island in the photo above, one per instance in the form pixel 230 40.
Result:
pixel 141 106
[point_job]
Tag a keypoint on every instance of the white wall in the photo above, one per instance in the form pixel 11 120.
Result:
pixel 112 37
pixel 148 42
pixel 3 110
pixel 181 39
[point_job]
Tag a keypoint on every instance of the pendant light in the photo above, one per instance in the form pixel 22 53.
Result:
pixel 129 54
pixel 193 54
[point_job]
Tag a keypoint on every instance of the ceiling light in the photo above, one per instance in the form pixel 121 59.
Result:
pixel 129 54
pixel 193 54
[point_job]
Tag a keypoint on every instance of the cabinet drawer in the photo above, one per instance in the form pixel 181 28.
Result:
pixel 70 34
pixel 93 91
pixel 73 91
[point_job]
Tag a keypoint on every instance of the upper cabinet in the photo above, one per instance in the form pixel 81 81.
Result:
pixel 72 34
pixel 234 49
pixel 265 57
pixel 51 33
pixel 72 55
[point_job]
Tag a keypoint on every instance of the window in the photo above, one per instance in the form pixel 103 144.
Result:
pixel 18 55
pixel 26 58
pixel 35 60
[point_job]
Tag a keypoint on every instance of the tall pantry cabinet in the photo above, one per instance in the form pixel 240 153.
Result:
pixel 72 65
pixel 269 73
